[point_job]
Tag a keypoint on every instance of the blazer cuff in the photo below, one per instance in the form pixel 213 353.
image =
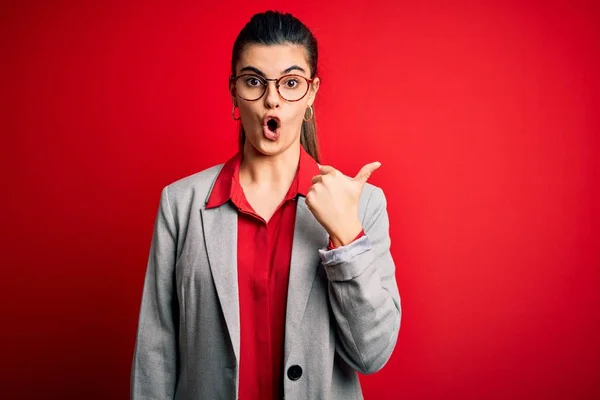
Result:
pixel 331 259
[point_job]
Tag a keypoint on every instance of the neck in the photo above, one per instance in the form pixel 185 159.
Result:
pixel 276 171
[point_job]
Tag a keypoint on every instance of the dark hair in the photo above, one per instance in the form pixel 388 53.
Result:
pixel 271 28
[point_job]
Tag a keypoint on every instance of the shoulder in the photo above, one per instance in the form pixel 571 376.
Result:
pixel 373 208
pixel 199 182
pixel 372 198
pixel 191 190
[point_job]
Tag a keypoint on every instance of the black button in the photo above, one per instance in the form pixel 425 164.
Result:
pixel 294 372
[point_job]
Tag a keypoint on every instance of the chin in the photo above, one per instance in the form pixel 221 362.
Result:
pixel 268 147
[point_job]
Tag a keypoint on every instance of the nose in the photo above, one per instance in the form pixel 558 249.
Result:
pixel 272 99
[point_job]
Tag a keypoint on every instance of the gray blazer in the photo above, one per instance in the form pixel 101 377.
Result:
pixel 343 308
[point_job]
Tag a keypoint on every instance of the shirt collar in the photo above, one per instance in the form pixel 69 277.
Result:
pixel 225 185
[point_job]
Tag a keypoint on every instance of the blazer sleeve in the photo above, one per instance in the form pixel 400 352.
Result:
pixel 155 360
pixel 363 292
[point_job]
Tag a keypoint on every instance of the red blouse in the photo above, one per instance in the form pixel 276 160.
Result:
pixel 263 253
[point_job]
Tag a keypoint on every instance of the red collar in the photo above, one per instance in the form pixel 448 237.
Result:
pixel 227 185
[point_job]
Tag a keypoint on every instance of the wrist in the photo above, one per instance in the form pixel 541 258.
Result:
pixel 346 235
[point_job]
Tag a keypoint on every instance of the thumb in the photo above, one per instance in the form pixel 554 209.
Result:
pixel 365 172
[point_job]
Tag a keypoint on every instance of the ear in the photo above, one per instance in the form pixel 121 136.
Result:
pixel 232 91
pixel 312 93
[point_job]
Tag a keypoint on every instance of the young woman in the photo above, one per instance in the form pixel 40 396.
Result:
pixel 269 276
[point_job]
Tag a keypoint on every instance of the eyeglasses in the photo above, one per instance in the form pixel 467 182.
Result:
pixel 252 87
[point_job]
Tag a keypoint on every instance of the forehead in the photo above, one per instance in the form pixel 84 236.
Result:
pixel 273 59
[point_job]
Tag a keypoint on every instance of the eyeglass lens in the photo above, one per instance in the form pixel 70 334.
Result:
pixel 253 87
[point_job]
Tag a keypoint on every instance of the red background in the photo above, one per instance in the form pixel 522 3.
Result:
pixel 484 115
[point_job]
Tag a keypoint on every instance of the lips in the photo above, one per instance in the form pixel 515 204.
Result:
pixel 271 127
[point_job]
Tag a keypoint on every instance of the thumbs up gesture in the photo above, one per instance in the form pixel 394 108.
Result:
pixel 333 200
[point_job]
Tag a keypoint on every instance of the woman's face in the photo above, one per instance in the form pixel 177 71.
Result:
pixel 271 123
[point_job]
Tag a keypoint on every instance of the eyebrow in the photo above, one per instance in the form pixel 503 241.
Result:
pixel 286 71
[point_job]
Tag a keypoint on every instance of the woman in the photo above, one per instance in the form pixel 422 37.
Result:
pixel 269 276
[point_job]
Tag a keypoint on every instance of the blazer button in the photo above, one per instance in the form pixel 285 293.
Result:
pixel 294 372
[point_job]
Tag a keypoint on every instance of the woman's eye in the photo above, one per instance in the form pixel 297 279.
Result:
pixel 253 82
pixel 291 83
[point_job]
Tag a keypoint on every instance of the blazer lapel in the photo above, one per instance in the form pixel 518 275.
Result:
pixel 309 236
pixel 220 234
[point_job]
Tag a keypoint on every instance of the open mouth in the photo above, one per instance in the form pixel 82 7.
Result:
pixel 272 124
pixel 271 127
